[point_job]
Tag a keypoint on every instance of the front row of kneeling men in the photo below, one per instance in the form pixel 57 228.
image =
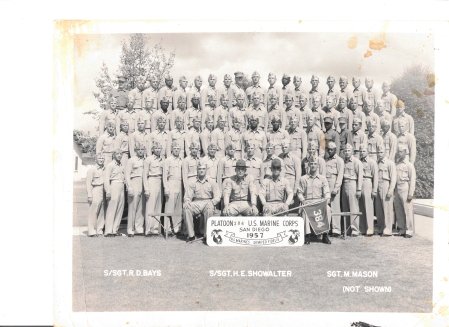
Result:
pixel 249 187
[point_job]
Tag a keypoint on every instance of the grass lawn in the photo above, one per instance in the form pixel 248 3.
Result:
pixel 185 282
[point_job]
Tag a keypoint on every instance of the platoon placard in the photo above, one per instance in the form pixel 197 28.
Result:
pixel 255 231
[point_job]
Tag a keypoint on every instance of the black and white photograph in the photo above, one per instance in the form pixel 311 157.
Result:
pixel 274 171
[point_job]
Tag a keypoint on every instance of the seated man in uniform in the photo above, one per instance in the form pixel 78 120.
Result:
pixel 239 193
pixel 275 190
pixel 201 196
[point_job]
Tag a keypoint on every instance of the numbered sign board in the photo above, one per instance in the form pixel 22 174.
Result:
pixel 255 231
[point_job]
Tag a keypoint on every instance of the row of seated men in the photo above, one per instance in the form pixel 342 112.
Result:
pixel 365 130
pixel 250 186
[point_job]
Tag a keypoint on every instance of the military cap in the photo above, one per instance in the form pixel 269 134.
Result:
pixel 256 73
pixel 348 146
pixel 181 97
pixel 314 76
pixel 402 147
pixel 356 78
pixel 237 119
pixel 153 78
pixel 328 120
pixel 275 119
pixel 194 145
pixel 99 155
pixel 269 144
pixel 285 76
pixel 255 93
pixel 272 94
pixel 384 122
pixel 168 77
pixel 122 78
pixel 195 95
pixel 343 78
pixel 182 78
pixel 331 145
pixel 160 118
pixel 363 146
pixel 156 144
pixel 176 143
pixel 296 78
pixel 288 96
pixel 312 144
pixel 165 99
pixel 238 74
pixel 211 96
pixel 211 75
pixel 230 146
pixel 241 163
pixel 141 79
pixel 386 83
pixel 380 147
pixel 400 104
pixel 312 158
pixel 253 116
pixel 356 121
pixel 303 96
pixel 210 118
pixel 330 77
pixel 240 95
pixel 371 122
pixel 201 164
pixel 285 142
pixel 221 118
pixel 179 118
pixel 342 120
pixel 118 150
pixel 224 95
pixel 342 97
pixel 271 75
pixel 294 118
pixel 198 77
pixel 227 76
pixel 368 79
pixel 196 118
pixel 140 120
pixel 122 122
pixel 211 144
pixel 139 145
pixel 276 163
pixel 149 98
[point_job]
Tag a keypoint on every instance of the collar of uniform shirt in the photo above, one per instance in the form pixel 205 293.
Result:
pixel 252 158
pixel 381 160
pixel 330 91
pixel 349 159
pixel 111 135
pixel 297 89
pixel 161 132
pixel 364 159
pixel 100 167
pixel 313 90
pixel 210 158
pixel 356 89
pixel 133 111
pixel 356 132
pixel 118 163
pixel 204 180
pixel 333 157
pixel 254 131
pixel 229 158
pixel 312 176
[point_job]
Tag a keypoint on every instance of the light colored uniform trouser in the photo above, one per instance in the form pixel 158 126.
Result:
pixel 135 207
pixel 154 204
pixel 125 158
pixel 115 208
pixel 197 207
pixel 273 208
pixel 384 208
pixel 173 205
pixel 403 210
pixel 335 205
pixel 95 221
pixel 295 203
pixel 306 219
pixel 240 208
pixel 350 204
pixel 366 207
pixel 107 158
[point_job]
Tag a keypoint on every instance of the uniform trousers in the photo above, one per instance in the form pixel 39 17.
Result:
pixel 115 208
pixel 197 207
pixel 242 208
pixel 173 204
pixel 350 203
pixel 154 204
pixel 295 202
pixel 403 210
pixel 135 207
pixel 273 208
pixel 95 221
pixel 306 219
pixel 367 207
pixel 125 158
pixel 335 205
pixel 384 208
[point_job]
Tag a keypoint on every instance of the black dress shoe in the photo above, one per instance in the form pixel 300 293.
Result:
pixel 130 235
pixel 190 239
pixel 385 235
pixel 326 239
pixel 407 236
pixel 109 235
pixel 139 234
pixel 368 235
pixel 307 239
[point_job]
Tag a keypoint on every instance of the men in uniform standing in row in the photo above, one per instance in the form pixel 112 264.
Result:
pixel 201 196
pixel 273 90
pixel 277 135
pixel 152 91
pixel 304 110
pixel 373 139
pixel 352 188
pixel 193 134
pixel 275 191
pixel 105 143
pixel 239 111
pixel 266 165
pixel 401 115
pixel 160 135
pixel 371 94
pixel 211 161
pixel 382 113
pixel 330 135
pixel 384 197
pixel 369 191
pixel 222 110
pixel 403 195
pixel 292 168
pixel 163 112
pixel 136 94
pixel 217 136
pixel 389 99
pixel 226 164
pixel 390 140
pixel 257 109
pixel 147 114
pixel 189 164
pixel 256 136
pixel 206 134
pixel 235 136
pixel 95 197
pixel 179 111
pixel 296 93
pixel 177 134
pixel 130 114
pixel 291 112
pixel 344 90
pixel 343 110
pixel 181 91
pixel 332 92
pixel 256 88
pixel 239 193
pixel 227 89
pixel 345 135
pixel 315 134
pixel 408 140
pixel 358 137
pixel 237 88
pixel 195 92
pixel 108 114
pixel 334 175
pixel 329 111
pixel 313 187
pixel 152 174
pixel 134 186
pixel 274 110
pixel 371 116
pixel 209 91
pixel 139 136
pixel 357 93
pixel 314 81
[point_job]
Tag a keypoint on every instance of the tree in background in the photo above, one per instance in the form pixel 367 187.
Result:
pixel 416 87
pixel 136 59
